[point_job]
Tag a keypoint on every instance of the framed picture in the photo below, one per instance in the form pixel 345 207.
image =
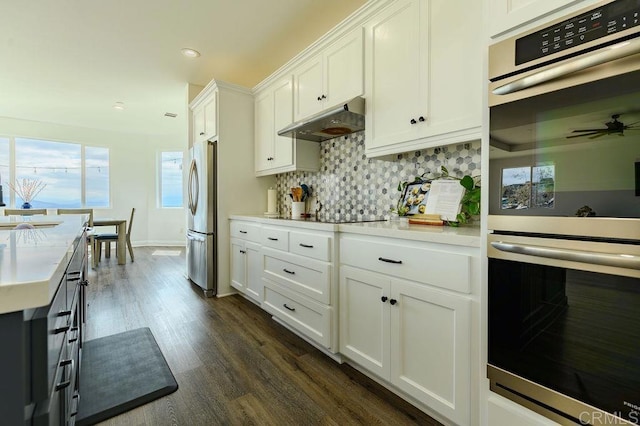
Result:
pixel 415 197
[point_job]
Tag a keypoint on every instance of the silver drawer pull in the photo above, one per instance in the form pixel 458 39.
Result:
pixel 287 307
pixel 288 271
pixel 384 259
pixel 305 245
pixel 272 239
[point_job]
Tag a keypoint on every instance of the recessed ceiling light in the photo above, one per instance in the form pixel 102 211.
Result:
pixel 118 106
pixel 190 53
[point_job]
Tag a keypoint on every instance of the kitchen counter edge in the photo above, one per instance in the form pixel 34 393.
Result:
pixel 467 236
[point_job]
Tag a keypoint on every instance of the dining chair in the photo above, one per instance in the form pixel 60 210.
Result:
pixel 113 237
pixel 24 212
pixel 89 229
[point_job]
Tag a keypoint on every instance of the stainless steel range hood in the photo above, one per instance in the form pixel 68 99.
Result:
pixel 328 124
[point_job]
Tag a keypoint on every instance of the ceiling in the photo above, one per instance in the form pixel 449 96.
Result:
pixel 70 61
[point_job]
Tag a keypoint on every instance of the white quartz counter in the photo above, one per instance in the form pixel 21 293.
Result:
pixel 33 261
pixel 468 236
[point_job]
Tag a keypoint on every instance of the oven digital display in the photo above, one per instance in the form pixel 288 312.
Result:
pixel 597 23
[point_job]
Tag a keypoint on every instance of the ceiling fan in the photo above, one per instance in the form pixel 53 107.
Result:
pixel 613 127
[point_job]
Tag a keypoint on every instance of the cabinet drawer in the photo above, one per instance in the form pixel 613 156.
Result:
pixel 310 318
pixel 444 269
pixel 275 238
pixel 306 276
pixel 310 245
pixel 246 231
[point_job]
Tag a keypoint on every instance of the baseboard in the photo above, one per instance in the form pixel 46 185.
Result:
pixel 179 243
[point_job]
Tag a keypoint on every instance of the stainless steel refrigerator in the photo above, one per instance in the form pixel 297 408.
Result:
pixel 202 253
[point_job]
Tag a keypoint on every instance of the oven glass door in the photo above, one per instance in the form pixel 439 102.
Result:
pixel 570 152
pixel 573 331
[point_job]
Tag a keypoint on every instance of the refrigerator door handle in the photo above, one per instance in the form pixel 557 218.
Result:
pixel 193 182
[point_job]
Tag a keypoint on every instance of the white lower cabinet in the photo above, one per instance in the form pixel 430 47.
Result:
pixel 300 282
pixel 415 336
pixel 246 268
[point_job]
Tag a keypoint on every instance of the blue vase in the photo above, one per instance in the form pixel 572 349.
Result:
pixel 26 205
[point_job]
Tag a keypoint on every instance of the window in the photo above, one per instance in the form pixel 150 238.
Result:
pixel 171 179
pixel 96 175
pixel 528 187
pixel 56 164
pixel 74 175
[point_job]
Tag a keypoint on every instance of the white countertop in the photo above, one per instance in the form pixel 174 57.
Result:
pixel 32 261
pixel 468 236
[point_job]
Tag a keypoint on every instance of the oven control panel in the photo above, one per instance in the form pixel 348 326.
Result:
pixel 597 23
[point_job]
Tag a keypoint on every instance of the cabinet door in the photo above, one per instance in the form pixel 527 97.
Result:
pixel 238 265
pixel 430 341
pixel 211 116
pixel 264 130
pixel 343 65
pixel 396 44
pixel 198 124
pixel 364 319
pixel 282 117
pixel 308 88
pixel 255 287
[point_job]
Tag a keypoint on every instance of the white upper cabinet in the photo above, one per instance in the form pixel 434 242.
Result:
pixel 397 74
pixel 423 76
pixel 205 118
pixel 509 14
pixel 332 76
pixel 275 153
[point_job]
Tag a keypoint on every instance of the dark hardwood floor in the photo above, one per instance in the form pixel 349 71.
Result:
pixel 233 363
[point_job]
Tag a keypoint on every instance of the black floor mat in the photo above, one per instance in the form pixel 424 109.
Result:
pixel 121 372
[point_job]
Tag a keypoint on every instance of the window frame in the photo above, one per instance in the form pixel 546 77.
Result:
pixel 159 173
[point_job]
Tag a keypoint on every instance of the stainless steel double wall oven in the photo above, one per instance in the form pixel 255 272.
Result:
pixel 564 216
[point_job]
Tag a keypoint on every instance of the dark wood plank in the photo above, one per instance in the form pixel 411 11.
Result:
pixel 234 364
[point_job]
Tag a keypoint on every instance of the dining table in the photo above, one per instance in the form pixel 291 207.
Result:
pixel 121 230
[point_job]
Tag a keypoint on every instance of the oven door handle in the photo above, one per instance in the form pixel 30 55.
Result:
pixel 627 261
pixel 617 51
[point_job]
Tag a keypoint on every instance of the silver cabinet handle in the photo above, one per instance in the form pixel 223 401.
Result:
pixel 609 54
pixel 606 259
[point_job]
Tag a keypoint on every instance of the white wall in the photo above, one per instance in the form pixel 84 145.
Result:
pixel 133 176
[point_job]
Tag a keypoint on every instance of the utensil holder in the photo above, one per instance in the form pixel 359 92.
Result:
pixel 298 209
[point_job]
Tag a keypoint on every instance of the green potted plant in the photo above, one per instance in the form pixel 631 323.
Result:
pixel 470 203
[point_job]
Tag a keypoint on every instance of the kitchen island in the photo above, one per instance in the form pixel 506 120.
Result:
pixel 42 277
pixel 32 261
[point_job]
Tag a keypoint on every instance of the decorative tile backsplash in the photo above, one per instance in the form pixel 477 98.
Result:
pixel 351 186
